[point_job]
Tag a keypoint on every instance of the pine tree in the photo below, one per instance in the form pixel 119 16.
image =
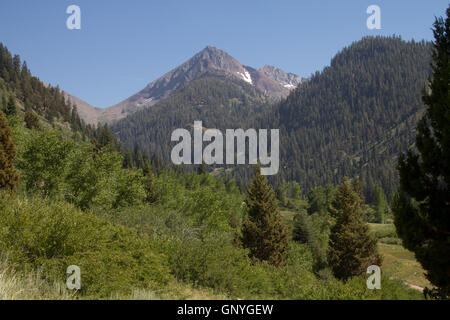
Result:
pixel 296 191
pixel 138 157
pixel 303 231
pixel 422 208
pixel 202 169
pixel 149 185
pixel 281 192
pixel 8 175
pixel 75 120
pixel 351 246
pixel 380 205
pixel 11 107
pixel 263 232
pixel 128 162
pixel 3 104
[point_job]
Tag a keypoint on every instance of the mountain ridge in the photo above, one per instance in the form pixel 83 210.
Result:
pixel 210 58
pixel 276 84
pixel 287 79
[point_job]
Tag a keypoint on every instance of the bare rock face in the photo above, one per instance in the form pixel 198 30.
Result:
pixel 287 80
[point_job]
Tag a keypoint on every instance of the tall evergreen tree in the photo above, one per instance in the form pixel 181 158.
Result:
pixel 296 191
pixel 138 157
pixel 128 162
pixel 380 205
pixel 263 232
pixel 352 248
pixel 281 192
pixel 202 169
pixel 4 103
pixel 422 209
pixel 149 186
pixel 303 231
pixel 11 106
pixel 8 175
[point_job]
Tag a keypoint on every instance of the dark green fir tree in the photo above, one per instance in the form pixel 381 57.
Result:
pixel 352 248
pixel 11 106
pixel 263 232
pixel 422 208
pixel 380 205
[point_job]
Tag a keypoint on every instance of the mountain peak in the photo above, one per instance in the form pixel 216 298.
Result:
pixel 207 62
pixel 287 79
pixel 212 49
pixel 213 58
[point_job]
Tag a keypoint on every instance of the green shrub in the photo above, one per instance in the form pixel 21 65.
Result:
pixel 50 236
pixel 389 240
pixel 300 255
pixel 383 230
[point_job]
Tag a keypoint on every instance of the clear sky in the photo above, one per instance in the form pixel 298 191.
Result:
pixel 124 45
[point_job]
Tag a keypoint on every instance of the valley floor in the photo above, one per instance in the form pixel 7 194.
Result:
pixel 400 264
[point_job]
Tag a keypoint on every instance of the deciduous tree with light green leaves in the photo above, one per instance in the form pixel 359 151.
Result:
pixel 58 167
pixel 44 161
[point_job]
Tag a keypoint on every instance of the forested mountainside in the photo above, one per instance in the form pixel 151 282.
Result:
pixel 21 92
pixel 351 119
pixel 356 116
pixel 34 94
pixel 218 99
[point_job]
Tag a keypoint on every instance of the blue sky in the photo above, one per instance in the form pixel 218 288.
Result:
pixel 124 45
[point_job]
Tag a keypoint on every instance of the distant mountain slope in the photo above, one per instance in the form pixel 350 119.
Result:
pixel 90 114
pixel 287 80
pixel 356 116
pixel 219 99
pixel 208 60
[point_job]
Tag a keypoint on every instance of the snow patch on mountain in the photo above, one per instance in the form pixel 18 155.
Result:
pixel 246 76
pixel 289 86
